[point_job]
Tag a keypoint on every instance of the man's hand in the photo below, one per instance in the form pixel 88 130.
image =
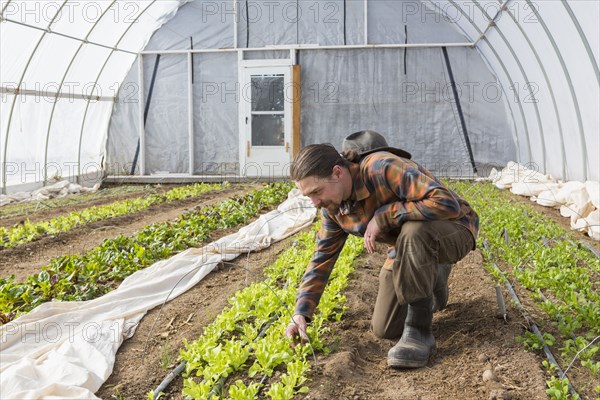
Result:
pixel 297 330
pixel 370 234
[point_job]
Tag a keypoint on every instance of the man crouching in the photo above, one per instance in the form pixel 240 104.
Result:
pixel 376 191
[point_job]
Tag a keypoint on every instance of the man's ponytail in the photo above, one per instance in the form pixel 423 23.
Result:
pixel 351 155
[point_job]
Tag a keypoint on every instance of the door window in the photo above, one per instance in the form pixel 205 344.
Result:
pixel 267 110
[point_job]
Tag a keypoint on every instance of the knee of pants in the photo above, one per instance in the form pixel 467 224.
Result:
pixel 387 328
pixel 415 235
pixel 381 332
pixel 416 231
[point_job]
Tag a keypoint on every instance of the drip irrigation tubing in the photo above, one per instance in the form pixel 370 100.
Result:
pixel 527 317
pixel 590 248
pixel 181 367
pixel 221 382
pixel 168 379
pixel 216 390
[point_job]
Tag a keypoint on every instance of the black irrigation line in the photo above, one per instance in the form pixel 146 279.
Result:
pixel 171 376
pixel 216 390
pixel 533 326
pixel 590 248
pixel 181 367
pixel 168 379
pixel 221 382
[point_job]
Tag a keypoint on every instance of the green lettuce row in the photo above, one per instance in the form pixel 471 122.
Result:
pixel 30 231
pixel 237 339
pixel 561 276
pixel 100 270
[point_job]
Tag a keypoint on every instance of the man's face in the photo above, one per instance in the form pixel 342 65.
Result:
pixel 323 192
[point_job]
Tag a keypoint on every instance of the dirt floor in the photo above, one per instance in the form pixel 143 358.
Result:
pixel 470 339
pixel 27 259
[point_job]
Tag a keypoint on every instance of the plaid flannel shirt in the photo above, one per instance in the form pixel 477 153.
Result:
pixel 391 190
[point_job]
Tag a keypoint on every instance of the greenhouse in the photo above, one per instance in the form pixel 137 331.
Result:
pixel 156 224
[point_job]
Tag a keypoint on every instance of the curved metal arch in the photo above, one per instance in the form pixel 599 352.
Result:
pixel 571 89
pixel 583 39
pixel 45 174
pixel 37 28
pixel 98 78
pixel 12 107
pixel 501 63
pixel 513 119
pixel 543 69
pixel 535 105
pixel 4 8
pixel 505 72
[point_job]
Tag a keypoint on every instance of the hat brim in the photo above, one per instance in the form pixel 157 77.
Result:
pixel 393 150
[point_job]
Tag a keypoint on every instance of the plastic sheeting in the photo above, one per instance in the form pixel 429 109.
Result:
pixel 347 91
pixel 343 91
pixel 58 189
pixel 553 93
pixel 578 201
pixel 67 349
pixel 544 56
pixel 50 62
pixel 216 95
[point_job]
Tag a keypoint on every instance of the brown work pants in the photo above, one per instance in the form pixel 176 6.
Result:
pixel 420 247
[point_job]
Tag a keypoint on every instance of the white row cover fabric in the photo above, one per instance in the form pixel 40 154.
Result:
pixel 67 350
pixel 578 201
pixel 58 189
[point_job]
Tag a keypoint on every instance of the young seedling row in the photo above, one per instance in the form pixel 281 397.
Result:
pixel 244 353
pixel 29 231
pixel 559 275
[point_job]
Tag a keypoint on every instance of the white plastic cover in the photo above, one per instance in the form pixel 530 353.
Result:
pixel 557 32
pixel 38 142
pixel 544 55
pixel 67 350
pixel 577 200
pixel 342 90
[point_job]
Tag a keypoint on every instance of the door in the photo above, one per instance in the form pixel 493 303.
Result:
pixel 266 121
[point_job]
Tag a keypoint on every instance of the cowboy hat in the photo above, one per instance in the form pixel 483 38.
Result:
pixel 367 142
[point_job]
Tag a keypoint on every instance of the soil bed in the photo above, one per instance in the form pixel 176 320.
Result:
pixel 470 339
pixel 470 336
pixel 28 259
pixel 41 210
pixel 554 214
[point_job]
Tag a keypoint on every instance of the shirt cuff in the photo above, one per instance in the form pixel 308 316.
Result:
pixel 385 218
pixel 304 310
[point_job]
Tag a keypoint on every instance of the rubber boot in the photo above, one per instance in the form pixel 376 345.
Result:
pixel 417 341
pixel 440 290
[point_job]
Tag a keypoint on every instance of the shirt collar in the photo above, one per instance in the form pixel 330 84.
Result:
pixel 359 190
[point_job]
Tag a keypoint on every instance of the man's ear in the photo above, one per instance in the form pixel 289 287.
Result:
pixel 337 172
